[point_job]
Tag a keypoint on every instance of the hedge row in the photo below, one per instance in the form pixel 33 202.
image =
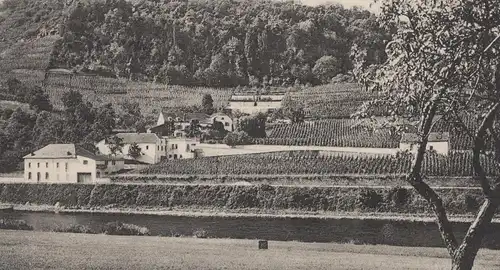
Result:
pixel 339 180
pixel 265 197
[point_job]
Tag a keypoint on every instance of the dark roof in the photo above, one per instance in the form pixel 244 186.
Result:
pixel 65 151
pixel 129 138
pixel 54 151
pixel 433 137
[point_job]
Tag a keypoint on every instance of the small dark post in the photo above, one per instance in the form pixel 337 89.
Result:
pixel 263 244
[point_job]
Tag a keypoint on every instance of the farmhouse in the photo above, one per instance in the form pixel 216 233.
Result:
pixel 251 103
pixel 438 141
pixel 67 163
pixel 173 124
pixel 182 148
pixel 223 118
pixel 152 147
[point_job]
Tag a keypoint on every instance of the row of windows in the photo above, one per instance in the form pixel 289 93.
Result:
pixel 39 176
pixel 57 164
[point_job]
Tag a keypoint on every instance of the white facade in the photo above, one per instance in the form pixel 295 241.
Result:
pixel 440 147
pixel 152 148
pixel 251 107
pixel 60 170
pixel 181 148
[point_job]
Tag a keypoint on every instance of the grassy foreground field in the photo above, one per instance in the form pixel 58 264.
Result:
pixel 42 250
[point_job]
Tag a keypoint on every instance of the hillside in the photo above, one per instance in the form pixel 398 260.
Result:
pixel 216 43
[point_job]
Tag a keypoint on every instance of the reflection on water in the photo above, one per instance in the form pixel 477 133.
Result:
pixel 284 229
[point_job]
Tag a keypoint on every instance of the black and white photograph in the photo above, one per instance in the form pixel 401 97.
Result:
pixel 250 134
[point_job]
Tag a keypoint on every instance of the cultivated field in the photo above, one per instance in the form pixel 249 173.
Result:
pixel 28 250
pixel 332 101
pixel 312 162
pixel 331 132
pixel 151 97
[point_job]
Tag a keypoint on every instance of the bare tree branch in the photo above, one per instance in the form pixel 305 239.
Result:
pixel 480 174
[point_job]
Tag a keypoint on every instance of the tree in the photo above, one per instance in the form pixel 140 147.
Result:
pixel 237 138
pixel 115 145
pixel 254 126
pixel 72 99
pixel 293 110
pixel 433 62
pixel 134 151
pixel 326 68
pixel 39 100
pixel 208 104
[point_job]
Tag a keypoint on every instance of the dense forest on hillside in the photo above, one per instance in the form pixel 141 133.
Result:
pixel 216 43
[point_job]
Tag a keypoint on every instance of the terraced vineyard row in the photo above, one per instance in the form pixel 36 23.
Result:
pixel 332 101
pixel 332 132
pixel 289 163
pixel 30 55
pixel 150 96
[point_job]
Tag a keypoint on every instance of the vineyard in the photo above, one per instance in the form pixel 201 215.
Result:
pixel 310 162
pixel 332 132
pixel 332 101
pixel 151 97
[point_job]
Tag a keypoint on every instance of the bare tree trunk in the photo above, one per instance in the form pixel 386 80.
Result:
pixel 464 256
pixel 466 253
pixel 415 179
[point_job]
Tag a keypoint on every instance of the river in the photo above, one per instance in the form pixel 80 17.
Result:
pixel 359 231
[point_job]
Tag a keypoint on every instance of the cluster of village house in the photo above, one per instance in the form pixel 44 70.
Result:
pixel 69 163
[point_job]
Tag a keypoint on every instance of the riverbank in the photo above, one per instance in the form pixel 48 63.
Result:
pixel 256 213
pixel 242 198
pixel 28 250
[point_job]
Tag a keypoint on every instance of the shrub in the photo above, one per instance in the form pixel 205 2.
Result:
pixel 119 228
pixel 200 234
pixel 15 224
pixel 399 196
pixel 471 203
pixel 76 228
pixel 369 198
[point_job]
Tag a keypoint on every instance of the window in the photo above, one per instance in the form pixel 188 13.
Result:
pixel 222 118
pixel 57 165
pixel 46 175
pixel 38 165
pixel 29 175
pixel 113 162
pixel 98 174
pixel 66 167
pixel 180 156
pixel 85 162
pixel 147 147
pixel 29 165
pixel 226 124
pixel 162 148
pixel 431 147
pixel 106 163
pixel 46 164
pixel 158 148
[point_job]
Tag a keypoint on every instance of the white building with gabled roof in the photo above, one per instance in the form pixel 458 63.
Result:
pixel 152 147
pixel 66 163
pixel 437 141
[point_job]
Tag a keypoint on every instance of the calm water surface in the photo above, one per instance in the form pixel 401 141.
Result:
pixel 386 232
